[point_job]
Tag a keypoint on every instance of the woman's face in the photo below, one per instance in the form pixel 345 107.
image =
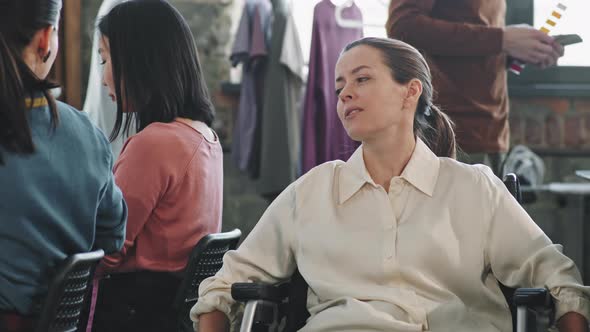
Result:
pixel 370 102
pixel 107 73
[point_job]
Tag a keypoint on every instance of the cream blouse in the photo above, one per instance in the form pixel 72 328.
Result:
pixel 425 256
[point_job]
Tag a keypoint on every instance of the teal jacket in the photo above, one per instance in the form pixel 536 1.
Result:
pixel 56 202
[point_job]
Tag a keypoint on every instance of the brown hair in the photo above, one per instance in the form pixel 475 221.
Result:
pixel 431 125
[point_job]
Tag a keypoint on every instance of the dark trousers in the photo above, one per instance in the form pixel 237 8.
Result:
pixel 137 301
pixel 14 322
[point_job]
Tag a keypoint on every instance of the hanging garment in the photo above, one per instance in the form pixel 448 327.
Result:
pixel 99 106
pixel 324 137
pixel 280 120
pixel 250 49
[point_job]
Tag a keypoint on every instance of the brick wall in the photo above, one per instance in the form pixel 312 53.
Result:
pixel 558 128
pixel 549 123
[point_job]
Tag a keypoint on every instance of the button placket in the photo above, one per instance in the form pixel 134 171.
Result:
pixel 397 197
pixel 396 186
pixel 390 230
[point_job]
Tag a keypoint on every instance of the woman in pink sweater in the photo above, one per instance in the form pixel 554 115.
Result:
pixel 170 172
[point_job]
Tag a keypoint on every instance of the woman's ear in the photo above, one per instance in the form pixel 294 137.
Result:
pixel 414 90
pixel 42 39
pixel 413 93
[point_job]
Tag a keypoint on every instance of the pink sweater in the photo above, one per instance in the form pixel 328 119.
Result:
pixel 172 180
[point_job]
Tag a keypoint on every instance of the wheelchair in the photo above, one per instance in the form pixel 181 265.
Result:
pixel 282 307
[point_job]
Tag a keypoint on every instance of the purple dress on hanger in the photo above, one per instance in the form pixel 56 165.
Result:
pixel 324 137
pixel 251 49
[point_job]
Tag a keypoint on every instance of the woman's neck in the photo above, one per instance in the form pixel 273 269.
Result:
pixel 386 157
pixel 30 59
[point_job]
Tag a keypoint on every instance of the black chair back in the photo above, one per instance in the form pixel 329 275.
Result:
pixel 513 185
pixel 296 308
pixel 204 261
pixel 68 294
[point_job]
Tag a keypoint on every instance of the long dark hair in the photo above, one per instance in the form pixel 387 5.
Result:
pixel 156 68
pixel 406 63
pixel 19 21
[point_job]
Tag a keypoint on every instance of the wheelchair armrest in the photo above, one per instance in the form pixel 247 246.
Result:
pixel 535 308
pixel 262 304
pixel 533 298
pixel 247 291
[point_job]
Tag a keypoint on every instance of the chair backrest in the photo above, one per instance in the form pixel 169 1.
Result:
pixel 67 296
pixel 296 312
pixel 204 261
pixel 513 185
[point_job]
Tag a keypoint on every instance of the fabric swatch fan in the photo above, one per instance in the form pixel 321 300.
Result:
pixel 516 66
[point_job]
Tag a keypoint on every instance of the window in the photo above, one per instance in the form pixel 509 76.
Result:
pixel 572 75
pixel 571 22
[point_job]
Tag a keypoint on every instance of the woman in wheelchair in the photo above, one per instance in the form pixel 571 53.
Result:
pixel 401 237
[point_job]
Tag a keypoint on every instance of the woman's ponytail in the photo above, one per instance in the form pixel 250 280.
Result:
pixel 435 128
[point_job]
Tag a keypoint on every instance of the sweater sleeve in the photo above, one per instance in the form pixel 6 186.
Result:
pixel 411 21
pixel 266 255
pixel 143 181
pixel 111 214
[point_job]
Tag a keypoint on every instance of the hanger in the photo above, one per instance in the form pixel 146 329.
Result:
pixel 345 3
pixel 348 23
